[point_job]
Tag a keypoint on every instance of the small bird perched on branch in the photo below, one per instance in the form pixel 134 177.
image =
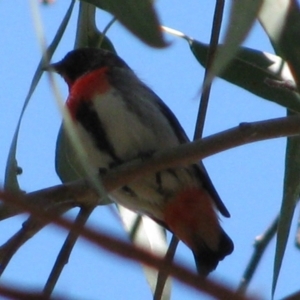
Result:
pixel 118 119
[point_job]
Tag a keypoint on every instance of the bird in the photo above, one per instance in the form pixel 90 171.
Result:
pixel 118 118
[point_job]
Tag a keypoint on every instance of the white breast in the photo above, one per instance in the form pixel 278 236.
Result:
pixel 127 132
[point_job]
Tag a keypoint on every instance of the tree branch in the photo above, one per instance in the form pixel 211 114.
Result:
pixel 260 245
pixel 10 292
pixel 213 44
pixel 29 228
pixel 79 192
pixel 295 296
pixel 164 273
pixel 128 251
pixel 65 252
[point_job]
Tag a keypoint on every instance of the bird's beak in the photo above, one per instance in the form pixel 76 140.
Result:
pixel 59 69
pixel 51 68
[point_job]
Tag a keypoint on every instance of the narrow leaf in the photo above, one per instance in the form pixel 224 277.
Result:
pixel 281 21
pixel 289 200
pixel 67 163
pixel 87 34
pixel 11 181
pixel 259 70
pixel 242 16
pixel 71 160
pixel 147 234
pixel 272 17
pixel 138 16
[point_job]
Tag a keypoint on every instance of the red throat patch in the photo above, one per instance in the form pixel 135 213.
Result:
pixel 86 87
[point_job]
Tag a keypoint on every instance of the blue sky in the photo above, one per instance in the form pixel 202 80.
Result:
pixel 249 178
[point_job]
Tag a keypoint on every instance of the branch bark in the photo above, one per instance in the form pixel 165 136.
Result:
pixel 128 251
pixel 80 193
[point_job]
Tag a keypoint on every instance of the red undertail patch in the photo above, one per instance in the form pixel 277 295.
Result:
pixel 191 216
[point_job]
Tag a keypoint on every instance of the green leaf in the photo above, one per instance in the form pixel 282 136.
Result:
pixel 242 16
pixel 71 158
pixel 281 21
pixel 138 16
pixel 11 181
pixel 87 34
pixel 147 234
pixel 257 69
pixel 272 18
pixel 290 197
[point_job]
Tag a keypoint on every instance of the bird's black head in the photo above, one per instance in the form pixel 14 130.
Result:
pixel 80 61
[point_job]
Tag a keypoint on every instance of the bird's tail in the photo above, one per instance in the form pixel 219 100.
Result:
pixel 207 259
pixel 191 216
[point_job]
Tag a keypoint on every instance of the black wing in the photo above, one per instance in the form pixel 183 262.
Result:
pixel 182 137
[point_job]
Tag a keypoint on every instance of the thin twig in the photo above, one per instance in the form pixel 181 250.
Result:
pixel 164 272
pixel 10 292
pixel 125 250
pixel 7 250
pixel 10 179
pixel 65 252
pixel 29 228
pixel 217 20
pixel 105 30
pixel 260 245
pixel 295 296
pixel 135 227
pixel 214 40
pixel 69 195
pixel 297 237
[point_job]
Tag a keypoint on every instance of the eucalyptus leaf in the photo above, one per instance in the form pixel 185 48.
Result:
pixel 11 181
pixel 87 34
pixel 139 16
pixel 147 234
pixel 281 21
pixel 291 191
pixel 255 71
pixel 71 159
pixel 243 13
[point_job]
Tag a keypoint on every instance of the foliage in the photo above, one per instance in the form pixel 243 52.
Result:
pixel 272 77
